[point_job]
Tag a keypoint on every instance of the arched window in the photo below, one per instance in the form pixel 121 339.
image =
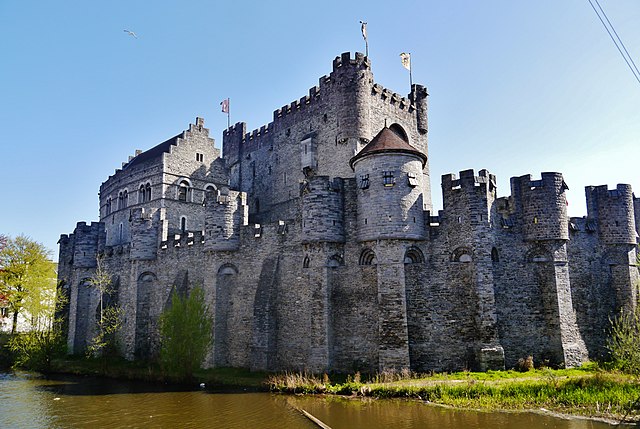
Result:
pixel 184 191
pixel 120 233
pixel 141 194
pixel 120 200
pixel 494 255
pixel 183 224
pixel 125 199
pixel 147 192
pixel 209 192
pixel 461 254
pixel 367 257
pixel 108 209
pixel 306 262
pixel 413 255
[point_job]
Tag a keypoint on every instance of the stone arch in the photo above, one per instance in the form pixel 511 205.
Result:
pixel 335 261
pixel 399 130
pixel 226 285
pixel 462 254
pixel 306 262
pixel 209 192
pixel 538 254
pixel 145 287
pixel 413 255
pixel 368 257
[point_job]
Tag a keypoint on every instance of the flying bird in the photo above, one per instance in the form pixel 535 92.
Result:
pixel 131 33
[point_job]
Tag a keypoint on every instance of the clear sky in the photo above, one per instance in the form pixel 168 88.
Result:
pixel 516 87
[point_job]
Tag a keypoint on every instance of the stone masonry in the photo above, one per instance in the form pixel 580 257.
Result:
pixel 317 246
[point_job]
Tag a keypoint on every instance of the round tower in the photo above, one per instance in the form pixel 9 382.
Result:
pixel 543 206
pixel 390 189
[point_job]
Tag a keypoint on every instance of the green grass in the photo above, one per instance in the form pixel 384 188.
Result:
pixel 585 391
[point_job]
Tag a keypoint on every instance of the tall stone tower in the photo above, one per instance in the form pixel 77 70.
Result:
pixel 389 213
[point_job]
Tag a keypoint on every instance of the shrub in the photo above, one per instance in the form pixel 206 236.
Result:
pixel 185 334
pixel 624 342
pixel 525 364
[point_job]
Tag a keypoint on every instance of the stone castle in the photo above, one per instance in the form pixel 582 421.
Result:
pixel 317 247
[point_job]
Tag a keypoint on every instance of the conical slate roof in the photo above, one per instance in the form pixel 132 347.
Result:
pixel 388 141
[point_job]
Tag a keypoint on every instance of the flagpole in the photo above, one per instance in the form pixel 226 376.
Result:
pixel 410 76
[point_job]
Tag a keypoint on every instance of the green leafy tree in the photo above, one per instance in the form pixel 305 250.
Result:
pixel 27 281
pixel 185 334
pixel 110 317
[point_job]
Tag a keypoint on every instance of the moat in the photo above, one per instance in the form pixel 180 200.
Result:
pixel 30 401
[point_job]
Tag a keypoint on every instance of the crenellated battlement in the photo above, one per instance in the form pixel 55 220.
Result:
pixel 613 211
pixel 343 76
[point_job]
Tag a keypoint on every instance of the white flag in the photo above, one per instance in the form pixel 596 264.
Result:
pixel 363 27
pixel 406 60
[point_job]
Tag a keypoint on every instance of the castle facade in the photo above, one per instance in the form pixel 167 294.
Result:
pixel 316 244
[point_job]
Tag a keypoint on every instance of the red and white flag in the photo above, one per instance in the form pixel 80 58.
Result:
pixel 225 105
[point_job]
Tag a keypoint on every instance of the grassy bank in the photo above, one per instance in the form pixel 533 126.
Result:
pixel 586 391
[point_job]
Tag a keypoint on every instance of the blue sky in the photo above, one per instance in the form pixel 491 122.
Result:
pixel 515 87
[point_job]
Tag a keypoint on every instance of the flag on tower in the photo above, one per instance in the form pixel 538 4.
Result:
pixel 406 60
pixel 225 105
pixel 363 27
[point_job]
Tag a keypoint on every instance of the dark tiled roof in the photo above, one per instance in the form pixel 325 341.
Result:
pixel 387 141
pixel 154 152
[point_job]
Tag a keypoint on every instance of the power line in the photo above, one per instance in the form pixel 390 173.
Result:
pixel 633 68
pixel 618 37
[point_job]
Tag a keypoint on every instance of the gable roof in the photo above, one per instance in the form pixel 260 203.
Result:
pixel 154 152
pixel 387 141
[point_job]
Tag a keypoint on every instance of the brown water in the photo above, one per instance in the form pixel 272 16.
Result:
pixel 28 401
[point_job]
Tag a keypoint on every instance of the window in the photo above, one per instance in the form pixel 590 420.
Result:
pixel 199 157
pixel 184 191
pixel 147 192
pixel 121 233
pixel 209 192
pixel 364 181
pixel 125 199
pixel 413 255
pixel 183 224
pixel 388 178
pixel 108 209
pixel 141 194
pixel 120 201
pixel 413 180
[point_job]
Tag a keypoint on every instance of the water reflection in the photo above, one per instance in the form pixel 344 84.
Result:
pixel 28 401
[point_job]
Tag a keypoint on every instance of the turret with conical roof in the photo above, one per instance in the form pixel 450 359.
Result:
pixel 389 177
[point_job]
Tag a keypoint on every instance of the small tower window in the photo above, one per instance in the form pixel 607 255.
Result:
pixel 364 181
pixel 108 209
pixel 121 233
pixel 125 199
pixel 147 192
pixel 199 157
pixel 388 178
pixel 183 224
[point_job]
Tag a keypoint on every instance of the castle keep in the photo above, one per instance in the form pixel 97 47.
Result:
pixel 316 244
